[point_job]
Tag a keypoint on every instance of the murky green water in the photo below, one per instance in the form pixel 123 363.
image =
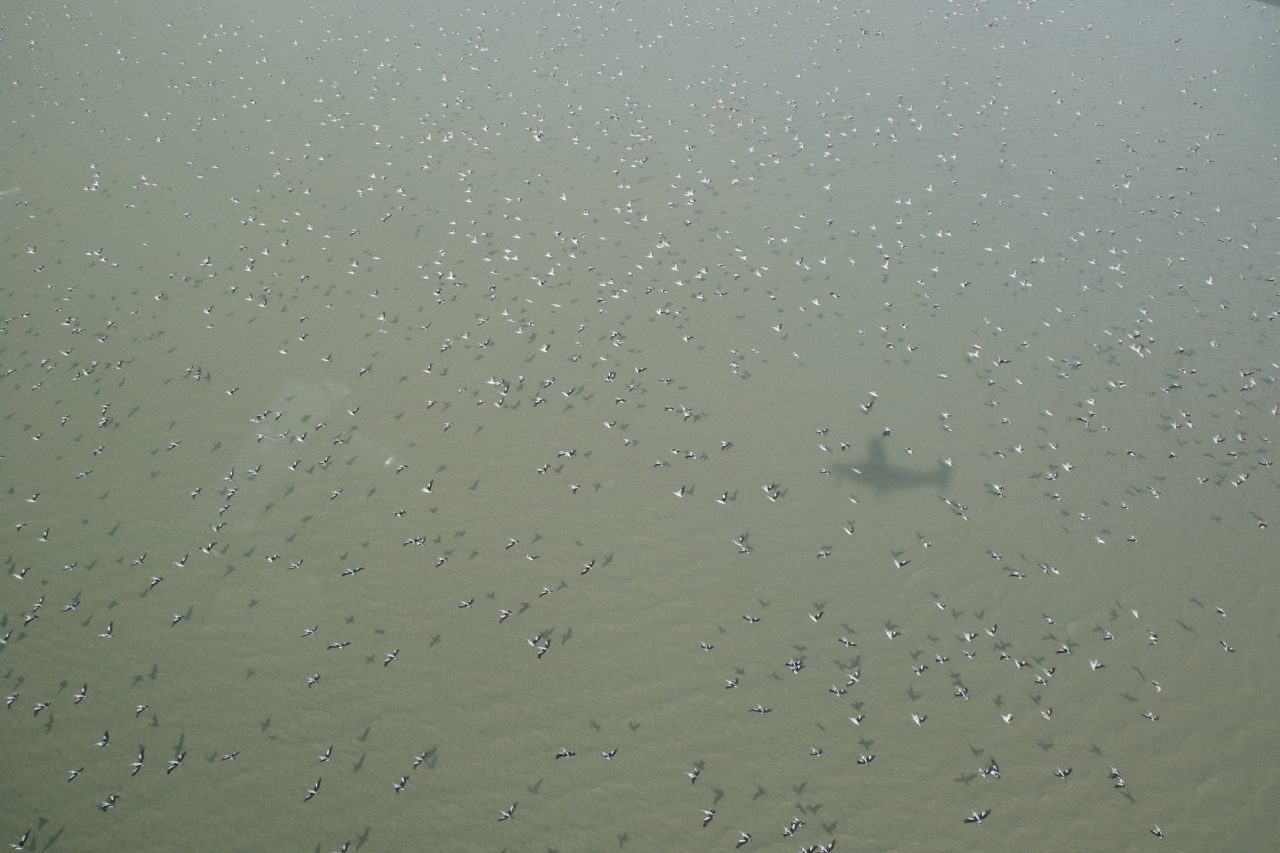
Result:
pixel 521 306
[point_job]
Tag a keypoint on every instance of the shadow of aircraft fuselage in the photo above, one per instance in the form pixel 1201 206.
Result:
pixel 883 476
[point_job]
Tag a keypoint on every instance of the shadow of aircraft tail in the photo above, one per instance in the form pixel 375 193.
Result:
pixel 882 475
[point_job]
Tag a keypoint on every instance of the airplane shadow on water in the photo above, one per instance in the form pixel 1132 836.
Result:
pixel 884 476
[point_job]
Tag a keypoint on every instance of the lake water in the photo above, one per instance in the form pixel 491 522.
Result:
pixel 568 376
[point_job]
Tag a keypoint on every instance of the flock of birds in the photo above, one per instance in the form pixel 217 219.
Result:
pixel 755 434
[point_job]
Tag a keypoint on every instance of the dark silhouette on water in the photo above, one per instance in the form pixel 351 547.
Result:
pixel 882 475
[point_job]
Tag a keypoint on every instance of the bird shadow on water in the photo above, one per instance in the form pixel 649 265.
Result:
pixel 884 476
